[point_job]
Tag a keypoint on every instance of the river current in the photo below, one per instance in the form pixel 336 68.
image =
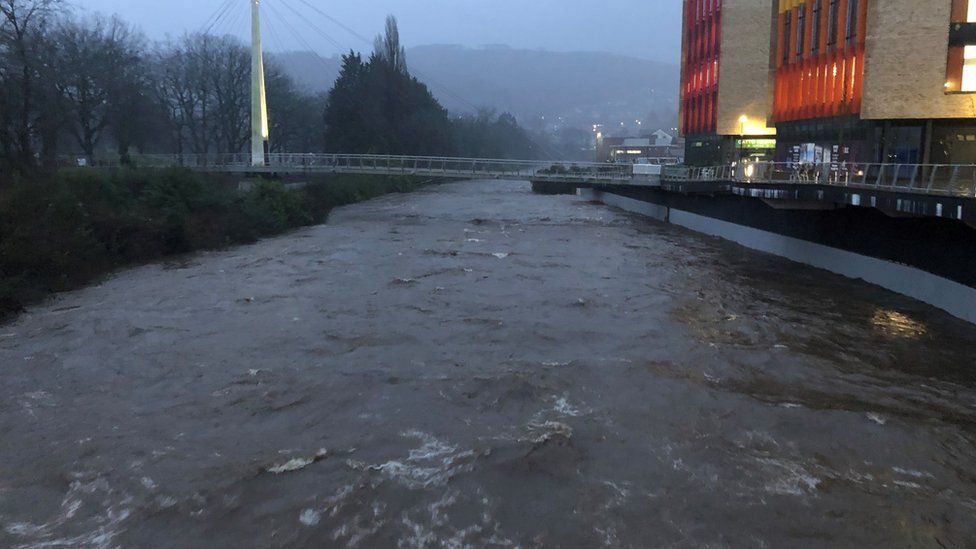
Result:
pixel 475 365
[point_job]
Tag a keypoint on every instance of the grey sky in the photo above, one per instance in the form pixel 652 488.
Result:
pixel 643 28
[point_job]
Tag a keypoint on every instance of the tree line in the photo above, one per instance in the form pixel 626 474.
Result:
pixel 73 85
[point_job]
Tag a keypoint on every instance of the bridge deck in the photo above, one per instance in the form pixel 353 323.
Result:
pixel 290 164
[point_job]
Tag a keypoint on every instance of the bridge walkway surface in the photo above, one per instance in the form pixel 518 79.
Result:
pixel 425 166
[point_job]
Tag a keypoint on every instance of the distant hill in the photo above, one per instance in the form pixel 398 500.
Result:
pixel 580 88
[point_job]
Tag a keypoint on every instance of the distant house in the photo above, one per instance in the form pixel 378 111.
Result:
pixel 657 145
pixel 662 138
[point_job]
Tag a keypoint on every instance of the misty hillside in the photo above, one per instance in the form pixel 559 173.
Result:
pixel 584 88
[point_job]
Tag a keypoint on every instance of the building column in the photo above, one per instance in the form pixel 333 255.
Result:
pixel 927 142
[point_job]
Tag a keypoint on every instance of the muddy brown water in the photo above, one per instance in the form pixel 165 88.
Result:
pixel 475 365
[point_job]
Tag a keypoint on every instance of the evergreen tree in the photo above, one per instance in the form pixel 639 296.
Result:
pixel 377 107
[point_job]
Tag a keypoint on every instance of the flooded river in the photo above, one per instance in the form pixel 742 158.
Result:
pixel 475 365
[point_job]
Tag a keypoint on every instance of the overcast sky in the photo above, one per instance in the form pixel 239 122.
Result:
pixel 643 28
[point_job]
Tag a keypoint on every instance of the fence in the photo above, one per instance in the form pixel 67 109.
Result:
pixel 380 164
pixel 944 179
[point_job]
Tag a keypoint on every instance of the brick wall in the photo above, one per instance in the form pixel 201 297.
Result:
pixel 745 84
pixel 905 68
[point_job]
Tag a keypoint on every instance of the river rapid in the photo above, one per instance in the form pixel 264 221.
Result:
pixel 475 365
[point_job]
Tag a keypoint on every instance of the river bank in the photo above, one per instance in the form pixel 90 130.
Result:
pixel 67 230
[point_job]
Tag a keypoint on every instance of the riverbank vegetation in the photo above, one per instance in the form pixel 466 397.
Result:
pixel 66 230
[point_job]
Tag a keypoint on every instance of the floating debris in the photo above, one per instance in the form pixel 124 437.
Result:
pixel 310 517
pixel 298 464
pixel 543 432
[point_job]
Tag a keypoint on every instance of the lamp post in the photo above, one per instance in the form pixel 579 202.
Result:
pixel 259 102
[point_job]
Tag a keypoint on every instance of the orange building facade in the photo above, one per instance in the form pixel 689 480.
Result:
pixel 819 59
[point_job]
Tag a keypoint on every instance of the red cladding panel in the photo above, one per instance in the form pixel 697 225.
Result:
pixel 700 72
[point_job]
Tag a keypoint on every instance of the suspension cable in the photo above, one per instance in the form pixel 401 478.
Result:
pixel 314 28
pixel 215 17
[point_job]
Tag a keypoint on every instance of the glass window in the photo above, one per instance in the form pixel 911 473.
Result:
pixel 852 14
pixel 801 28
pixel 787 34
pixel 815 27
pixel 969 69
pixel 832 24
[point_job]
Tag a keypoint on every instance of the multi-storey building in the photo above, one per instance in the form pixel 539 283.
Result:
pixel 726 85
pixel 867 81
pixel 888 81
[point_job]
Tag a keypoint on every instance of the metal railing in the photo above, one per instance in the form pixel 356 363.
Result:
pixel 939 179
pixel 296 163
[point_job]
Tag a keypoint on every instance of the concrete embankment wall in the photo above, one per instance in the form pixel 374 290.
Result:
pixel 933 261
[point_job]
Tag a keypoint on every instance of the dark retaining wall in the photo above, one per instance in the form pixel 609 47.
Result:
pixel 553 187
pixel 939 246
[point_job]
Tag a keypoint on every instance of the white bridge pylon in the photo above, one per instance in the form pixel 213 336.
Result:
pixel 260 143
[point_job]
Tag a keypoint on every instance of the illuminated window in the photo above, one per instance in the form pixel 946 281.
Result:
pixel 969 69
pixel 961 66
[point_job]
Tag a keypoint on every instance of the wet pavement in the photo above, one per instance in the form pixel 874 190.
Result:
pixel 475 365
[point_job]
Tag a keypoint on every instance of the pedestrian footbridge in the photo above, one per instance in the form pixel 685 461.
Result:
pixel 422 166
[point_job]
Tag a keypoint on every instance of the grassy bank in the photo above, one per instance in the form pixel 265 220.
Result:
pixel 66 231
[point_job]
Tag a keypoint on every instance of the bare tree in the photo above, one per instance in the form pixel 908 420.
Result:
pixel 230 80
pixel 295 115
pixel 204 85
pixel 99 73
pixel 388 48
pixel 22 24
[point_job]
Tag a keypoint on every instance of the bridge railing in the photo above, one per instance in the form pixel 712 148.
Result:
pixel 942 179
pixel 380 164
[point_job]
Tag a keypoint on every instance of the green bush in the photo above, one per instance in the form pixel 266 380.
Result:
pixel 47 234
pixel 272 209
